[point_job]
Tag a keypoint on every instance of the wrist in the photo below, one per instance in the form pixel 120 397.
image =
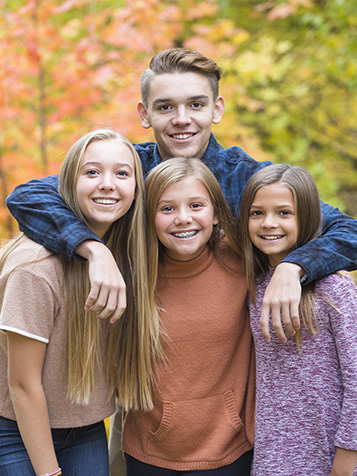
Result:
pixel 293 268
pixel 58 472
pixel 88 248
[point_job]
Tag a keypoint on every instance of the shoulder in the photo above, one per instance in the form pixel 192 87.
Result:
pixel 234 154
pixel 338 290
pixel 232 165
pixel 31 257
pixel 145 147
pixel 337 281
pixel 149 155
pixel 235 158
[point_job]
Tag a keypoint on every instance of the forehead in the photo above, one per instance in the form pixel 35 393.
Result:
pixel 275 192
pixel 189 186
pixel 108 150
pixel 179 87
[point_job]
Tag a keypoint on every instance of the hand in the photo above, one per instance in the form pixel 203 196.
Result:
pixel 281 301
pixel 107 296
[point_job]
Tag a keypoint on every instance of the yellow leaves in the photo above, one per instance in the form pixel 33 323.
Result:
pixel 71 29
pixel 219 39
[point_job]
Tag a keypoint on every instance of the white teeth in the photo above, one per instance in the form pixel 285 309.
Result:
pixel 182 136
pixel 271 237
pixel 105 201
pixel 186 234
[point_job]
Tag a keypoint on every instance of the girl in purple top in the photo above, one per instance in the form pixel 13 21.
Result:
pixel 306 410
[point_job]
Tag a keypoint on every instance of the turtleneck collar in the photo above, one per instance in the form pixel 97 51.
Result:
pixel 170 268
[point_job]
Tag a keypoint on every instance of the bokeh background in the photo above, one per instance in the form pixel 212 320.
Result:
pixel 290 78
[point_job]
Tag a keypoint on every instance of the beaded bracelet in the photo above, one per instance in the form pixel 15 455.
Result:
pixel 58 472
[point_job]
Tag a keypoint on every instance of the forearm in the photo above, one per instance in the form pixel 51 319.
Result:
pixel 90 250
pixel 44 217
pixel 33 422
pixel 335 250
pixel 344 462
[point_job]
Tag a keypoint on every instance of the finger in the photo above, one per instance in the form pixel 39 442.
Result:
pixel 121 306
pixel 99 304
pixel 277 324
pixel 106 304
pixel 286 317
pixel 294 315
pixel 264 321
pixel 92 297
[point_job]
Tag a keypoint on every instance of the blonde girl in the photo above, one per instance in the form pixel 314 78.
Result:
pixel 60 365
pixel 202 420
pixel 306 409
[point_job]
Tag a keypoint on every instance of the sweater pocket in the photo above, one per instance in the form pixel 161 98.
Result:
pixel 205 429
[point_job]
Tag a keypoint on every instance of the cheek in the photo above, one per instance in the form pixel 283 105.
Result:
pixel 159 225
pixel 80 196
pixel 130 191
pixel 250 229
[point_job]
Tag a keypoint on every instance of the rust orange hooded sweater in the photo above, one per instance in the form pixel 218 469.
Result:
pixel 203 416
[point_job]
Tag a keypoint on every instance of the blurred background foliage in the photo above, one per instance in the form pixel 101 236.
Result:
pixel 290 77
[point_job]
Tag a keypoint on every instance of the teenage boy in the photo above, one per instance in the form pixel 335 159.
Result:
pixel 180 101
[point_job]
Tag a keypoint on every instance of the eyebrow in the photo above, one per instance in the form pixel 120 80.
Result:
pixel 279 206
pixel 191 98
pixel 120 164
pixel 191 199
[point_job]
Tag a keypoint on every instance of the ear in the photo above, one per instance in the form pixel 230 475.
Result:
pixel 144 116
pixel 215 220
pixel 218 110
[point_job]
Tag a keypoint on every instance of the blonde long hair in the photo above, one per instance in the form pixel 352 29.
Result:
pixel 309 220
pixel 132 344
pixel 175 170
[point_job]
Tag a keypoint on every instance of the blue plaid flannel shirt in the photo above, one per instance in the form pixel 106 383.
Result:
pixel 44 217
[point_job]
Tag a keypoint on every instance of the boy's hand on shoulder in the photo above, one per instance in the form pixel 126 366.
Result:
pixel 107 296
pixel 281 301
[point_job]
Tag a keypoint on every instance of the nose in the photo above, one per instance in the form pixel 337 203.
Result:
pixel 269 221
pixel 107 182
pixel 181 117
pixel 183 217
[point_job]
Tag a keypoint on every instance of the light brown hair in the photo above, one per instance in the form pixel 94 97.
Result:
pixel 180 60
pixel 175 170
pixel 133 343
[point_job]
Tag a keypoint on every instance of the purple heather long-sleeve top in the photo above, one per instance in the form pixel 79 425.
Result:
pixel 307 403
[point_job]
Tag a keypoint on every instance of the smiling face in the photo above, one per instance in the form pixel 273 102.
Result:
pixel 106 183
pixel 181 109
pixel 273 225
pixel 184 219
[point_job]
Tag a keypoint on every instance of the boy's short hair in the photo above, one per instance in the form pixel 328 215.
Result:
pixel 180 60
